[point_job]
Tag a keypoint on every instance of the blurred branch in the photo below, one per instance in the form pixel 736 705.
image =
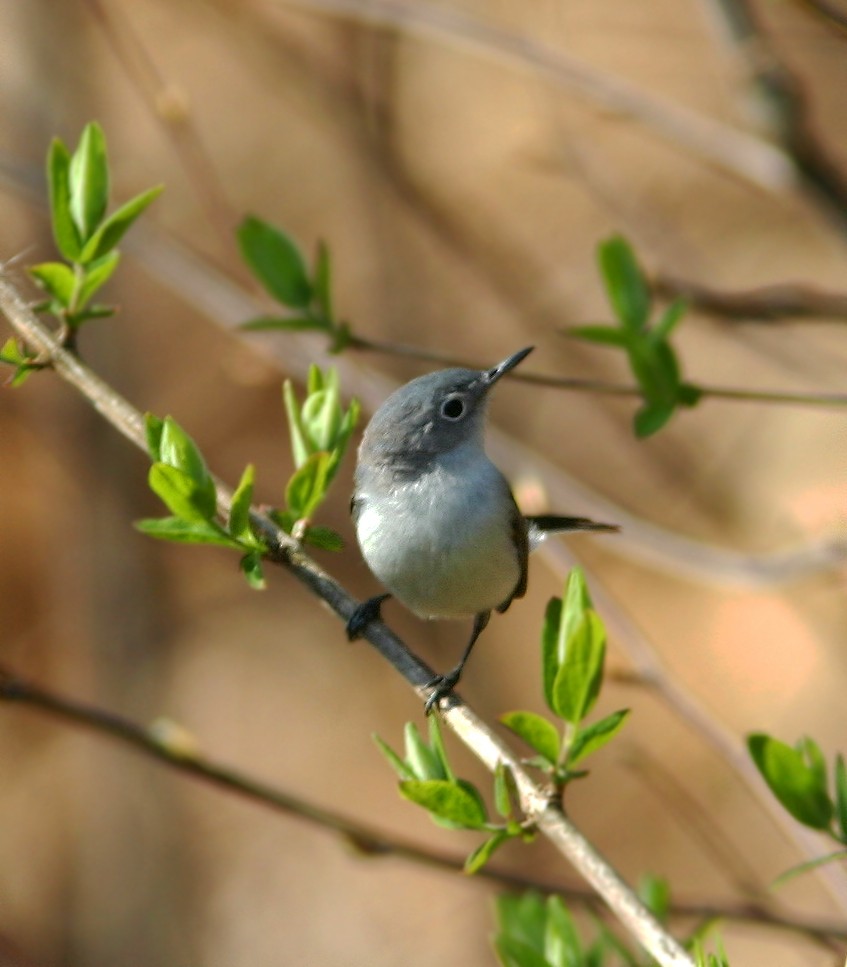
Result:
pixel 604 387
pixel 741 154
pixel 702 824
pixel 169 107
pixel 786 107
pixel 767 303
pixel 829 11
pixel 174 753
pixel 546 815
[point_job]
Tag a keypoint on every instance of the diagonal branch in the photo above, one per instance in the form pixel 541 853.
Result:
pixel 539 810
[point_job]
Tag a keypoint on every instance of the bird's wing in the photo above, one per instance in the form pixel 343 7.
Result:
pixel 520 537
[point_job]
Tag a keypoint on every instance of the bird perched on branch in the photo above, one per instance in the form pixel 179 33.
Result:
pixel 435 519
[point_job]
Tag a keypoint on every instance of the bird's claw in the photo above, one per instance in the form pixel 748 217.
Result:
pixel 364 614
pixel 442 686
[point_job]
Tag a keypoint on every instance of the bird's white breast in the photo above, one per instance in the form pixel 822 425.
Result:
pixel 443 541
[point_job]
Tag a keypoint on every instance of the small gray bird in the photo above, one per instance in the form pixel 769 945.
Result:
pixel 435 519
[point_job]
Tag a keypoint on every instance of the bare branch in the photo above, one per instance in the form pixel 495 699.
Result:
pixel 741 154
pixel 767 303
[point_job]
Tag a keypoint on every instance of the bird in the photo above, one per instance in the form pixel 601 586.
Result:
pixel 435 519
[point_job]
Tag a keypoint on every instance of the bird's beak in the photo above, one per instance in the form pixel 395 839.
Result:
pixel 492 375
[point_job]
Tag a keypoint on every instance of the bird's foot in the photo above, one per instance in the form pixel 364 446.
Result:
pixel 364 614
pixel 442 686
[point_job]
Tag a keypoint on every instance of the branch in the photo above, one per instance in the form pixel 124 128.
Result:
pixel 604 387
pixel 368 840
pixel 743 155
pixel 547 816
pixel 787 108
pixel 767 303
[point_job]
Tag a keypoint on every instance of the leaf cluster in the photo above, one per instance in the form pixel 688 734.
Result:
pixel 305 295
pixel 180 478
pixel 647 346
pixel 573 649
pixel 798 776
pixel 428 779
pixel 86 236
pixel 320 430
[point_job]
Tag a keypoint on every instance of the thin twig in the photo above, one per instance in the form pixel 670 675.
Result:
pixel 174 117
pixel 547 816
pixel 766 303
pixel 604 387
pixel 369 840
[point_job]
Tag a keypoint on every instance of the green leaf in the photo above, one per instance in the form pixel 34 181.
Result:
pixel 814 757
pixel 323 281
pixel 523 917
pixel 446 800
pixel 324 538
pixel 276 261
pixel 153 429
pixel 56 278
pixel 291 323
pixel 436 743
pixel 177 449
pixel 551 658
pixel 505 791
pixel 560 619
pixel 185 531
pixel 688 394
pixel 397 764
pixel 651 417
pixel 670 317
pixel 655 893
pixel 307 486
pixel 182 495
pixel 796 784
pixel 536 731
pixel 239 511
pixel 581 673
pixel 625 283
pixel 562 946
pixel 422 760
pixel 89 181
pixel 97 274
pixel 515 953
pixel 299 444
pixel 58 181
pixel 76 319
pixel 601 334
pixel 251 568
pixel 12 354
pixel 841 796
pixel 112 230
pixel 321 418
pixel 595 736
pixel 807 867
pixel 483 853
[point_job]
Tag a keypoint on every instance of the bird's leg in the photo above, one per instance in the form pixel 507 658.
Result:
pixel 444 684
pixel 365 613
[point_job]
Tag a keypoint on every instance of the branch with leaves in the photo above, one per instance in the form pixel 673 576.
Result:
pixel 203 511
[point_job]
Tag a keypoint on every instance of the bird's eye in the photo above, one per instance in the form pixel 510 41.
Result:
pixel 453 408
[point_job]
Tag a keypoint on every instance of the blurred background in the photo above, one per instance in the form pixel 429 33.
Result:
pixel 462 161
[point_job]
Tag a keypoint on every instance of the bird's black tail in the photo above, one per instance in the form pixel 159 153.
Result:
pixel 552 523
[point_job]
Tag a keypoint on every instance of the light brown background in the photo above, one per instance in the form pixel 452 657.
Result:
pixel 462 196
